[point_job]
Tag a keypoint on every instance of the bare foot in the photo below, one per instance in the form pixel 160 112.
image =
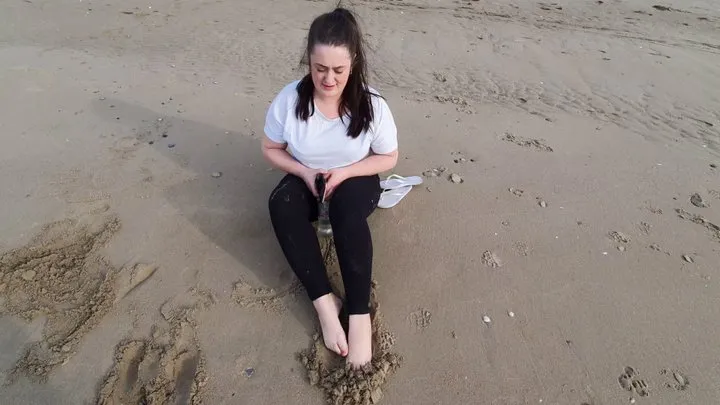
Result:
pixel 360 340
pixel 328 309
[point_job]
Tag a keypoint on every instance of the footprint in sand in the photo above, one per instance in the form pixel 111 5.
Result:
pixel 675 380
pixel 657 248
pixel 619 237
pixel 421 318
pixel 629 380
pixel 700 220
pixel 269 299
pixel 459 157
pixel 167 368
pixel 490 259
pixel 644 227
pixel 516 191
pixel 521 248
pixel 536 144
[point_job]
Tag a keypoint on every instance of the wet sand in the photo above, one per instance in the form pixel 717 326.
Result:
pixel 563 248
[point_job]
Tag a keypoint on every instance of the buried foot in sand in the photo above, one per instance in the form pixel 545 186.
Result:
pixel 328 309
pixel 360 340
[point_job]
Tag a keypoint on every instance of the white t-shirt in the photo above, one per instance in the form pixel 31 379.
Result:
pixel 321 143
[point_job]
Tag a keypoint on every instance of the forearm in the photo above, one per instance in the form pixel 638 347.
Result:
pixel 281 159
pixel 372 165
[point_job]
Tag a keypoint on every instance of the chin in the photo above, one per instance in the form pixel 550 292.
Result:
pixel 327 92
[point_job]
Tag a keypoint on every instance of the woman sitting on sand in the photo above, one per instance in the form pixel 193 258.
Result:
pixel 331 123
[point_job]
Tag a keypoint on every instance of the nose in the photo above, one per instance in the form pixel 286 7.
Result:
pixel 329 78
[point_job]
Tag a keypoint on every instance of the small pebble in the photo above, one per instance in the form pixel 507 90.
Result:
pixel 249 372
pixel 511 314
pixel 713 165
pixel 687 258
pixel 455 178
pixel 217 174
pixel 632 400
pixel 151 142
pixel 542 203
pixel 486 319
pixel 621 248
pixel 172 145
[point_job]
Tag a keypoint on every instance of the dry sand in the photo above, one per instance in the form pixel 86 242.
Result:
pixel 564 248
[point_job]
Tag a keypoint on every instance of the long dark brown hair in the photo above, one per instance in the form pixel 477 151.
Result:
pixel 340 28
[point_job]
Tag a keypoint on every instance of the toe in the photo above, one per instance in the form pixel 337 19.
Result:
pixel 343 348
pixel 336 349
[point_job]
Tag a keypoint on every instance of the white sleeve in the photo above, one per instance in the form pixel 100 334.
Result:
pixel 275 119
pixel 384 130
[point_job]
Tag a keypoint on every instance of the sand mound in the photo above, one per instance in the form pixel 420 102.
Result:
pixel 168 368
pixel 342 385
pixel 59 275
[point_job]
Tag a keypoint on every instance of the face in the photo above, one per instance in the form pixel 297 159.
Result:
pixel 330 69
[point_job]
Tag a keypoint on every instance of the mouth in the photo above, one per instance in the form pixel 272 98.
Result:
pixel 326 87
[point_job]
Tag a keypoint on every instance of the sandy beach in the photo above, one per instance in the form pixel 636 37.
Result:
pixel 564 247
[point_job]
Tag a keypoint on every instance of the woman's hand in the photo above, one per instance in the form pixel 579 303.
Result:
pixel 334 178
pixel 308 175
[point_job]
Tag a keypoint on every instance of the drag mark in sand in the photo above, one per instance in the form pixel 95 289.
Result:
pixel 59 274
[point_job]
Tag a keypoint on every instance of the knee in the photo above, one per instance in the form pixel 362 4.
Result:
pixel 282 202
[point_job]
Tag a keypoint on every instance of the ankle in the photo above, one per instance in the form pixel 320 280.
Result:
pixel 360 320
pixel 326 303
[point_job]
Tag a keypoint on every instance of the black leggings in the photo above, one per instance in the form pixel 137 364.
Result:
pixel 293 208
